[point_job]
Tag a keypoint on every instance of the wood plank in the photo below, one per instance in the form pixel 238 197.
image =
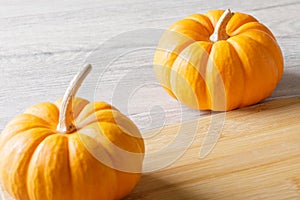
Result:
pixel 257 157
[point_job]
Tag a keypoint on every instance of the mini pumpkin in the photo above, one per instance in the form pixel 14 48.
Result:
pixel 218 61
pixel 72 149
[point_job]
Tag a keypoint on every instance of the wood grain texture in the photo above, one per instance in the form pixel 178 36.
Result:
pixel 44 43
pixel 257 157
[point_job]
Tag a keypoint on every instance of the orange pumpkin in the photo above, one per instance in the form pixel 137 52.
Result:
pixel 218 61
pixel 70 150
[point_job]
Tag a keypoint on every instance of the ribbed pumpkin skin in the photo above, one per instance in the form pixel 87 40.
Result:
pixel 39 163
pixel 249 63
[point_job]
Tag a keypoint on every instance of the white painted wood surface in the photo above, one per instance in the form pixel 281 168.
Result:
pixel 43 43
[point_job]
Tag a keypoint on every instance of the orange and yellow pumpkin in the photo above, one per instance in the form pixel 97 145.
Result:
pixel 72 149
pixel 218 61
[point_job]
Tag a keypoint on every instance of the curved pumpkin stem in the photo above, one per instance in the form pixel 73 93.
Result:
pixel 220 29
pixel 65 122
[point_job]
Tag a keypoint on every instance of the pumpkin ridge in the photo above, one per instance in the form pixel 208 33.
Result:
pixel 86 114
pixel 192 33
pixel 9 135
pixel 70 155
pixel 69 164
pixel 125 131
pixel 86 152
pixel 234 42
pixel 193 17
pixel 204 77
pixel 182 59
pixel 180 56
pixel 25 130
pixel 274 66
pixel 242 69
pixel 46 111
pixel 117 119
pixel 40 150
pixel 262 94
pixel 32 147
pixel 31 156
pixel 107 153
pixel 82 122
pixel 203 74
pixel 270 51
pixel 238 20
pixel 252 26
pixel 216 95
pixel 176 54
pixel 23 118
pixel 96 118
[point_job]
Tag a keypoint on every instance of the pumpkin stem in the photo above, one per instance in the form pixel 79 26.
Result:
pixel 220 29
pixel 65 122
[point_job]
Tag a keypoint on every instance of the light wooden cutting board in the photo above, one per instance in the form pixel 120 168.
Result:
pixel 256 157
